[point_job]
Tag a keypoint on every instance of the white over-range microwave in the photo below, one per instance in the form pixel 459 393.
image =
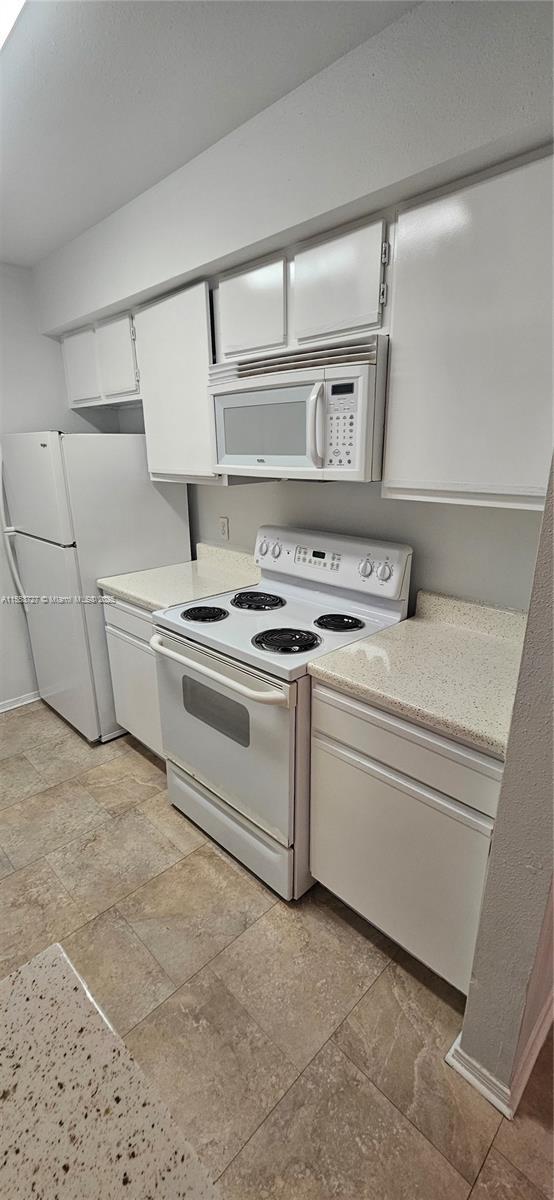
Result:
pixel 288 420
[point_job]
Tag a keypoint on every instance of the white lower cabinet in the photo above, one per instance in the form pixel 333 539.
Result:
pixel 410 859
pixel 133 671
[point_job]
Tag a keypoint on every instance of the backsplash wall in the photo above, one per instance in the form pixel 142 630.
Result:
pixel 483 554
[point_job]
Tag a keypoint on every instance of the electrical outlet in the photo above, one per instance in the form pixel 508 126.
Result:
pixel 223 527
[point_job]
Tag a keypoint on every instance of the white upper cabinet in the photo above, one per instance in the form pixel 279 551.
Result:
pixel 115 350
pixel 81 371
pixel 336 285
pixel 252 309
pixel 469 416
pixel 173 341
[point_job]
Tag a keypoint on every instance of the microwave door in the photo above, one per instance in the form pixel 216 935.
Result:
pixel 272 427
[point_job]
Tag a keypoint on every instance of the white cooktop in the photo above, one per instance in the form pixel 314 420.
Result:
pixel 316 575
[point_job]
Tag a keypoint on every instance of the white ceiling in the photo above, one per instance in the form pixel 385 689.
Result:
pixel 100 99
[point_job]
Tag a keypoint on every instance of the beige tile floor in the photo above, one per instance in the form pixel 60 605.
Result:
pixel 301 1052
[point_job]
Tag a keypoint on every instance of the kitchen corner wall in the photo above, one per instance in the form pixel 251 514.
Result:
pixel 509 1006
pixel 32 396
pixel 483 554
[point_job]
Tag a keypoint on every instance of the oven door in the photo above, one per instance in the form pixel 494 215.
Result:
pixel 230 728
pixel 272 424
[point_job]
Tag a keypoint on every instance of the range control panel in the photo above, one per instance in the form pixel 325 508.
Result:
pixel 336 561
pixel 342 425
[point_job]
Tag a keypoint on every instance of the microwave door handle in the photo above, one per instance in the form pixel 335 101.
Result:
pixel 312 425
pixel 270 697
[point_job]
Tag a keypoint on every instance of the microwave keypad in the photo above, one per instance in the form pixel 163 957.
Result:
pixel 341 430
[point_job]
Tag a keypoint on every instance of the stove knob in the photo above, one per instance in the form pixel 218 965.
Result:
pixel 384 572
pixel 263 547
pixel 365 568
pixel 275 550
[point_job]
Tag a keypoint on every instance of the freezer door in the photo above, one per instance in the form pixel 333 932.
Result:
pixel 35 486
pixel 58 634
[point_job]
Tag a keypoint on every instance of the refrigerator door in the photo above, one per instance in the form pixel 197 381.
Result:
pixel 58 632
pixel 123 522
pixel 35 486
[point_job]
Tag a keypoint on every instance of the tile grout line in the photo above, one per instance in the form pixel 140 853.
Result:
pixel 412 1123
pixel 190 978
pixel 256 1019
pixel 120 752
pixel 302 1070
pixel 105 818
pixel 114 902
pixel 507 1160
pixel 481 1169
pixel 61 783
pixel 127 896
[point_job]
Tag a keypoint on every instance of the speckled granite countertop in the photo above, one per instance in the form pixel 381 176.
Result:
pixel 215 569
pixel 452 668
pixel 78 1117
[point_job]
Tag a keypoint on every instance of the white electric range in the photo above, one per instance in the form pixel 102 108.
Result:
pixel 235 691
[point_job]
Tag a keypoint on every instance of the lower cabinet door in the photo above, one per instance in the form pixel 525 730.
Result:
pixel 135 687
pixel 408 859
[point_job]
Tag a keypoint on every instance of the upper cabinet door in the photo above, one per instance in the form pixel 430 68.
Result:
pixel 337 284
pixel 174 352
pixel 252 310
pixel 81 372
pixel 115 348
pixel 469 407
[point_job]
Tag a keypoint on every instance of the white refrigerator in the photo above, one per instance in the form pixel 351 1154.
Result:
pixel 84 507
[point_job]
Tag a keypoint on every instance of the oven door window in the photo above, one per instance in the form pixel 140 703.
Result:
pixel 228 717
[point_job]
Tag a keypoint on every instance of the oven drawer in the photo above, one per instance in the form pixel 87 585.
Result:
pixel 266 858
pixel 233 729
pixel 413 862
pixel 466 775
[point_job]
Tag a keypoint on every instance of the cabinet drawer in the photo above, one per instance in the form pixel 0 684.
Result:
pixel 407 859
pixel 472 778
pixel 135 688
pixel 131 619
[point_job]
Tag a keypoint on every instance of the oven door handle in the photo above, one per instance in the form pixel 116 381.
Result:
pixel 271 697
pixel 312 425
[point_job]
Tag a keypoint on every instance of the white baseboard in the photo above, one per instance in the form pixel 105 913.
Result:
pixel 505 1097
pixel 18 701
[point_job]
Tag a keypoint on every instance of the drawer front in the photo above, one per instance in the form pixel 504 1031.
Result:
pixel 135 688
pixel 464 774
pixel 409 861
pixel 136 621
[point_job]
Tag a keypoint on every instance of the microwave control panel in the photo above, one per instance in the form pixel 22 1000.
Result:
pixel 341 419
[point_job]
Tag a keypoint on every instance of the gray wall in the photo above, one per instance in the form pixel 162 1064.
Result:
pixel 520 869
pixel 480 553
